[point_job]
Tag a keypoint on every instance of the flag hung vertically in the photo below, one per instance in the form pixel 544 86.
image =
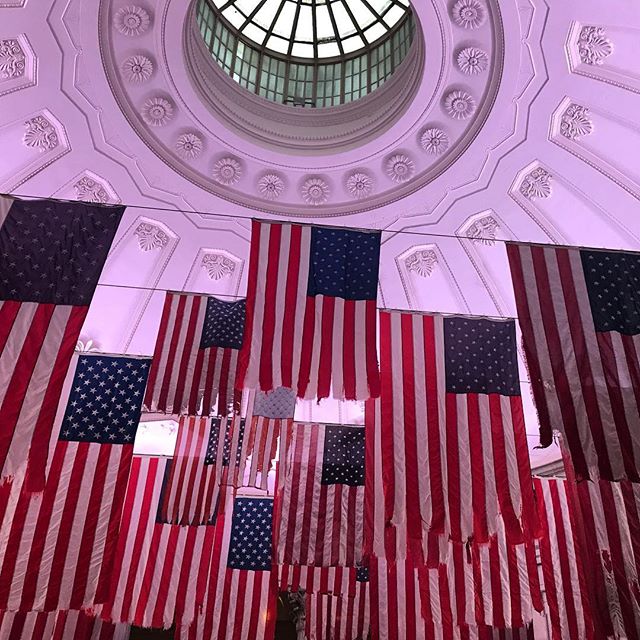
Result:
pixel 450 408
pixel 209 453
pixel 56 548
pixel 196 356
pixel 311 311
pixel 51 256
pixel 579 310
pixel 321 496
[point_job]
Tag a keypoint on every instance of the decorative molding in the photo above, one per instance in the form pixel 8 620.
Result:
pixel 422 262
pixel 575 122
pixel 189 146
pixel 483 231
pixel 593 45
pixel 472 61
pixel 469 14
pixel 217 265
pixel 400 167
pixel 460 105
pixel 12 59
pixel 536 184
pixel 314 191
pixel 359 185
pixel 270 186
pixel 89 190
pixel 131 21
pixel 137 69
pixel 40 134
pixel 227 171
pixel 434 141
pixel 151 237
pixel 157 111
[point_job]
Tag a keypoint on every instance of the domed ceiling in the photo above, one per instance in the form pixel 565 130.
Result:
pixel 506 119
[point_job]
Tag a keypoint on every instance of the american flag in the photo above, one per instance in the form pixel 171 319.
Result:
pixel 51 256
pixel 56 548
pixel 579 310
pixel 321 492
pixel 450 408
pixel 159 571
pixel 209 452
pixel 196 356
pixel 311 311
pixel 242 588
pixel 58 625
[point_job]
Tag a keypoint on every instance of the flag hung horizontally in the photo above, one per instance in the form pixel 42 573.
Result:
pixel 209 453
pixel 311 311
pixel 196 356
pixel 51 256
pixel 579 310
pixel 321 492
pixel 446 439
pixel 56 548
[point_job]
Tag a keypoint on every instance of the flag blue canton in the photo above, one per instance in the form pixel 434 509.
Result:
pixel 343 455
pixel 250 544
pixel 217 424
pixel 279 403
pixel 613 285
pixel 106 399
pixel 481 356
pixel 224 324
pixel 214 439
pixel 344 264
pixel 362 574
pixel 53 252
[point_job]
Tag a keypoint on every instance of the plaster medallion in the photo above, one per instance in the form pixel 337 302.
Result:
pixel 150 236
pixel 593 45
pixel 137 69
pixel 400 167
pixel 483 231
pixel 536 184
pixel 270 186
pixel 131 20
pixel 576 122
pixel 189 146
pixel 434 141
pixel 157 112
pixel 359 185
pixel 422 262
pixel 227 171
pixel 315 191
pixel 217 265
pixel 460 105
pixel 40 134
pixel 90 190
pixel 472 61
pixel 12 59
pixel 469 14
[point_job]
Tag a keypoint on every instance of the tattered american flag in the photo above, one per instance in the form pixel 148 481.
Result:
pixel 579 310
pixel 311 311
pixel 196 356
pixel 51 256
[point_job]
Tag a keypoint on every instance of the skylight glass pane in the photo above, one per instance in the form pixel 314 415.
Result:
pixel 267 13
pixel 304 30
pixel 233 16
pixel 277 44
pixel 323 23
pixel 328 50
pixel 393 16
pixel 361 13
pixel 302 50
pixel 254 33
pixel 285 20
pixel 352 44
pixel 374 32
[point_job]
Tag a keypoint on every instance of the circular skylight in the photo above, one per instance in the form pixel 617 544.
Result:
pixel 313 28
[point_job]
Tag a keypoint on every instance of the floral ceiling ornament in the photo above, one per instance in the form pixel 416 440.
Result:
pixel 434 141
pixel 89 190
pixel 227 171
pixel 483 231
pixel 400 167
pixel 315 191
pixel 131 20
pixel 40 134
pixel 87 346
pixel 422 262
pixel 218 265
pixel 472 61
pixel 469 14
pixel 593 45
pixel 359 185
pixel 189 146
pixel 151 237
pixel 576 122
pixel 536 184
pixel 157 112
pixel 12 59
pixel 137 69
pixel 459 105
pixel 270 186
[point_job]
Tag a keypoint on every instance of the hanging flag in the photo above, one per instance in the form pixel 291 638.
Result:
pixel 159 571
pixel 311 311
pixel 522 633
pixel 196 356
pixel 209 453
pixel 299 577
pixel 579 310
pixel 56 548
pixel 450 407
pixel 242 588
pixel 51 256
pixel 321 493
pixel 279 403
